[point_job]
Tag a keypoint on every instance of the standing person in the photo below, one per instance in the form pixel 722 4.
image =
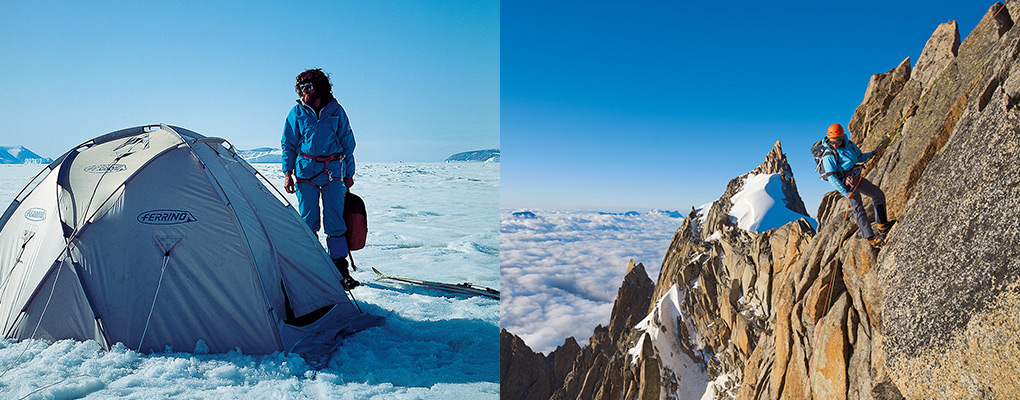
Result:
pixel 841 164
pixel 318 162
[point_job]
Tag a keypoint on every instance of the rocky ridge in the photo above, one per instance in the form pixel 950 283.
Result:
pixel 794 313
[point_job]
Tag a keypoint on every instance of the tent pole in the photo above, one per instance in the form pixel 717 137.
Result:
pixel 344 284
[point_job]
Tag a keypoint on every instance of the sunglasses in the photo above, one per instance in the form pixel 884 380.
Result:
pixel 835 141
pixel 304 87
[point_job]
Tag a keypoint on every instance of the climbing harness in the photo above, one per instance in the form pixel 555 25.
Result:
pixel 325 168
pixel 851 177
pixel 886 141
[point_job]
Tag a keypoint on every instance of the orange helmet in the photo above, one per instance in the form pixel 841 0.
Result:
pixel 835 131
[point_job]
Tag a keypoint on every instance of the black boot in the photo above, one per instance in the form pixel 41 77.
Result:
pixel 349 281
pixel 884 225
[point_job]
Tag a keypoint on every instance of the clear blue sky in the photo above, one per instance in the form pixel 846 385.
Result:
pixel 610 105
pixel 419 78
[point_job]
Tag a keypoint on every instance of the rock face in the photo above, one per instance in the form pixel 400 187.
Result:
pixel 596 371
pixel 951 321
pixel 791 313
pixel 529 375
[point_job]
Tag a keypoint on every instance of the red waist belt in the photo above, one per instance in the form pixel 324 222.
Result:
pixel 325 168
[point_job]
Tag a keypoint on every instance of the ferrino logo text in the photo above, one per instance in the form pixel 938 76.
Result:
pixel 165 217
pixel 35 214
pixel 104 168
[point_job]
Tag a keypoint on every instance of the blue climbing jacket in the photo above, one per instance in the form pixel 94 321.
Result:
pixel 317 135
pixel 839 162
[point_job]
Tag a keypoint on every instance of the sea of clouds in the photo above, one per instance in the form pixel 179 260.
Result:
pixel 560 270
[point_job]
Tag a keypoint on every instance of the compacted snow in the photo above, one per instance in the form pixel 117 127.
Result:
pixel 432 221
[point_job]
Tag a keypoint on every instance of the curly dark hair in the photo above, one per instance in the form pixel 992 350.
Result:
pixel 319 79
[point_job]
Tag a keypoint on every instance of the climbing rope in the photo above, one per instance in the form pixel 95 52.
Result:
pixel 886 141
pixel 832 281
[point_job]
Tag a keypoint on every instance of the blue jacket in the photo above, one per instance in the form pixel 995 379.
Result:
pixel 848 156
pixel 324 134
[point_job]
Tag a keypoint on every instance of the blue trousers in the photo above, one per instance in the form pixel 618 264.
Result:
pixel 332 196
pixel 857 205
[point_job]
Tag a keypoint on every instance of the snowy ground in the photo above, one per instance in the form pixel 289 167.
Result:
pixel 431 221
pixel 561 269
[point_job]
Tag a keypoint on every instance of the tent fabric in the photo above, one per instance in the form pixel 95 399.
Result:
pixel 157 236
pixel 29 245
pixel 68 311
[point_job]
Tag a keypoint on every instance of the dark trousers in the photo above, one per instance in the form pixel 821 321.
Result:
pixel 857 206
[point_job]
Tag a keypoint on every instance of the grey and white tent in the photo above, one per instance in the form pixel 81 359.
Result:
pixel 157 236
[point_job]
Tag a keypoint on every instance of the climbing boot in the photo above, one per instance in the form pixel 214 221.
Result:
pixel 884 224
pixel 883 229
pixel 349 281
pixel 876 241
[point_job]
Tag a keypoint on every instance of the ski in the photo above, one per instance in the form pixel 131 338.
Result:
pixel 464 288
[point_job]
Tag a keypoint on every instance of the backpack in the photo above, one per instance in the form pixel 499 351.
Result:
pixel 819 150
pixel 357 221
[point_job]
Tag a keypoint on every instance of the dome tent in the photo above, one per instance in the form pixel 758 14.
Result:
pixel 157 236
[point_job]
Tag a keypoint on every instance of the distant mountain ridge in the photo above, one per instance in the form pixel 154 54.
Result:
pixel 262 155
pixel 21 155
pixel 275 155
pixel 490 155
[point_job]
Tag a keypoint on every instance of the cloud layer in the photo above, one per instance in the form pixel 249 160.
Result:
pixel 560 270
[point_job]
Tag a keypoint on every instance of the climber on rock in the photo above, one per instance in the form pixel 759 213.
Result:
pixel 842 163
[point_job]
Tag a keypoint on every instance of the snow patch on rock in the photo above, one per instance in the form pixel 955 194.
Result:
pixel 760 205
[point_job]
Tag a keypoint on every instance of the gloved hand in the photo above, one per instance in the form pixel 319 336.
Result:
pixel 349 181
pixel 288 183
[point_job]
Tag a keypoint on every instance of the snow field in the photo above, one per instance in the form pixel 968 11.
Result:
pixel 431 221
